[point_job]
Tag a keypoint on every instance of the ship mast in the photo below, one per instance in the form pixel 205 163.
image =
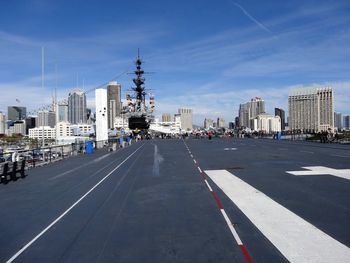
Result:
pixel 139 81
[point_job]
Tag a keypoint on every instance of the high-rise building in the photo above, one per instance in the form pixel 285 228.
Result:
pixel 166 117
pixel 279 112
pixel 208 123
pixel 249 110
pixel 114 104
pixel 257 107
pixel 186 119
pixel 62 112
pixel 311 109
pixel 220 123
pixel 338 120
pixel 2 123
pixel 46 118
pixel 244 114
pixel 346 122
pixel 236 122
pixel 231 125
pixel 30 123
pixel 77 107
pixel 15 113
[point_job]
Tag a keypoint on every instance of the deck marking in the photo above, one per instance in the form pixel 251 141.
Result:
pixel 322 170
pixel 230 226
pixel 295 238
pixel 194 161
pixel 306 152
pixel 191 156
pixel 80 166
pixel 68 210
pixel 246 254
pixel 343 156
pixel 217 200
pixel 211 190
pixel 227 219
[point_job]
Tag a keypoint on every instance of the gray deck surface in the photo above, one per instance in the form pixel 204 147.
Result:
pixel 155 207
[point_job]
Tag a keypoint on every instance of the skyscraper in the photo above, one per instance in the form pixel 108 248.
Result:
pixel 77 107
pixel 244 114
pixel 208 123
pixel 337 120
pixel 186 119
pixel 249 110
pixel 113 102
pixel 220 123
pixel 346 122
pixel 46 118
pixel 166 117
pixel 15 113
pixel 311 109
pixel 2 123
pixel 62 112
pixel 279 112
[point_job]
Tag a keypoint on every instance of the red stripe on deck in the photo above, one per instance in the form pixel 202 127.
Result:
pixel 217 200
pixel 246 254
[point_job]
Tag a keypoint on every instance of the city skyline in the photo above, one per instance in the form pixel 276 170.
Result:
pixel 232 52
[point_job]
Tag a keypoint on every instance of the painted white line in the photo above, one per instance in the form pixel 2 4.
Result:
pixel 80 166
pixel 191 156
pixel 67 211
pixel 320 170
pixel 343 156
pixel 211 190
pixel 194 161
pixel 295 238
pixel 230 226
pixel 307 152
pixel 230 149
pixel 199 169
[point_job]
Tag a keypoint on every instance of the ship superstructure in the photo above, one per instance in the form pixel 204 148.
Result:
pixel 138 112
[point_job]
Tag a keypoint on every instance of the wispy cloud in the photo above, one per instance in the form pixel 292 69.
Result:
pixel 252 18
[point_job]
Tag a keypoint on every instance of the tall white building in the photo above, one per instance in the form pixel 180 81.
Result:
pixel 2 123
pixel 249 110
pixel 186 119
pixel 166 117
pixel 77 107
pixel 220 123
pixel 101 116
pixel 311 109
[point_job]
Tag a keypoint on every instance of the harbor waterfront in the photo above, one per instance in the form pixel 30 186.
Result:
pixel 183 200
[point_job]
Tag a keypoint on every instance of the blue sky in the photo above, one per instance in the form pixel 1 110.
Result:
pixel 207 55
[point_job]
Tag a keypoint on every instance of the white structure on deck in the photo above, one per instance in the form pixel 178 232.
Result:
pixel 101 117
